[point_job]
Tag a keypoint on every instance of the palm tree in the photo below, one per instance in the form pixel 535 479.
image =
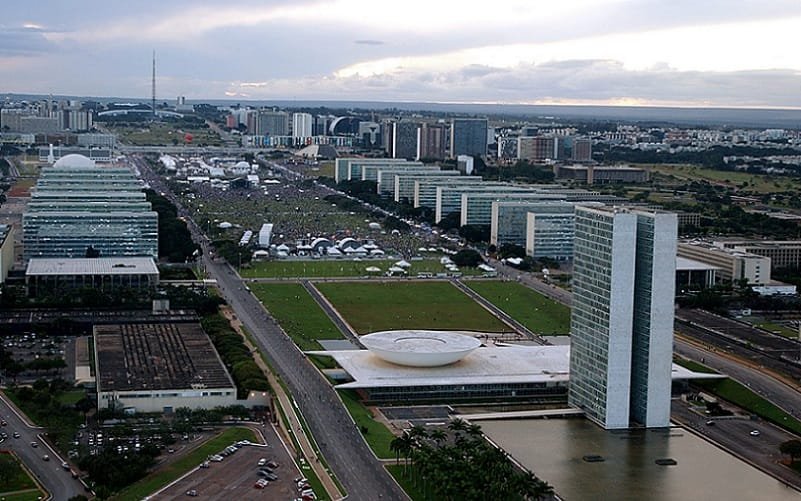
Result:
pixel 396 445
pixel 457 425
pixel 438 436
pixel 473 430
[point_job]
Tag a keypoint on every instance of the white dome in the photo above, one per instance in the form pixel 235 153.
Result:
pixel 420 348
pixel 74 160
pixel 242 165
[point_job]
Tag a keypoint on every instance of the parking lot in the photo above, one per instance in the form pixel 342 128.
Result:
pixel 29 347
pixel 235 476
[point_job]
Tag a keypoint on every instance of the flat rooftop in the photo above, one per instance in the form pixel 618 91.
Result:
pixel 502 364
pixel 145 357
pixel 685 264
pixel 40 266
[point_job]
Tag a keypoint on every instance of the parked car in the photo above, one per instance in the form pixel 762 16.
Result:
pixel 260 484
pixel 755 433
pixel 192 493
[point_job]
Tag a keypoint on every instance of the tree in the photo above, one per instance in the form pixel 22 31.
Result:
pixel 467 257
pixel 792 448
pixel 451 221
pixel 475 233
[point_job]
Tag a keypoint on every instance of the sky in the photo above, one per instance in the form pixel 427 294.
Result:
pixel 697 53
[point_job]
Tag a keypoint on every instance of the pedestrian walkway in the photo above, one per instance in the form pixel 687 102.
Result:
pixel 521 414
pixel 498 313
pixel 284 401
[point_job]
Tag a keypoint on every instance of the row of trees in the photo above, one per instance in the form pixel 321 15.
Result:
pixel 41 401
pixel 175 240
pixel 236 356
pixel 461 464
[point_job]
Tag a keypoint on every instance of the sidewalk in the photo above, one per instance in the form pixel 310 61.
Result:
pixel 285 402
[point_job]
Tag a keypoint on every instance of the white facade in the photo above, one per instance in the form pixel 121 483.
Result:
pixel 265 235
pixel 622 317
pixel 302 124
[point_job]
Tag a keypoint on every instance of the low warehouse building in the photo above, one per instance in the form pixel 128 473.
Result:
pixel 49 275
pixel 159 368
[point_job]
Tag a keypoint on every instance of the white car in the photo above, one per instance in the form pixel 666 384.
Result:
pixel 755 433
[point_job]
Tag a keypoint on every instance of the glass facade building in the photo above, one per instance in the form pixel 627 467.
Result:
pixel 77 205
pixel 622 323
pixel 469 137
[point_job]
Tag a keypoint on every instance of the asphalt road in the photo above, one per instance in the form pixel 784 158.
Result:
pixel 51 475
pixel 734 435
pixel 775 352
pixel 779 393
pixel 340 441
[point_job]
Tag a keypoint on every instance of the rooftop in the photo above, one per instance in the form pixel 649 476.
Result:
pixel 92 266
pixel 502 364
pixel 685 264
pixel 157 357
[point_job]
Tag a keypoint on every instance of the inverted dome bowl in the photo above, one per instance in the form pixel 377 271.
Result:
pixel 420 348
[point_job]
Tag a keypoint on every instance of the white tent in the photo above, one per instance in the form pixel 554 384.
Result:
pixel 395 269
pixel 403 264
pixel 373 269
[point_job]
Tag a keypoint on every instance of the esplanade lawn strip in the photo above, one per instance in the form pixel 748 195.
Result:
pixel 378 306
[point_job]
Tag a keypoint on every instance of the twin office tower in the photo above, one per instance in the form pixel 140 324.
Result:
pixel 622 318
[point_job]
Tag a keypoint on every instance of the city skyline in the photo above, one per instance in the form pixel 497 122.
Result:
pixel 615 52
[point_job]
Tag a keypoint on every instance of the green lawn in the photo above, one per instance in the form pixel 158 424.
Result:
pixel 370 307
pixel 71 397
pixel 538 313
pixel 319 268
pixel 405 481
pixel 693 365
pixel 779 329
pixel 14 477
pixel 159 479
pixel 29 495
pixel 165 134
pixel 758 183
pixel 741 396
pixel 298 314
pixel 378 437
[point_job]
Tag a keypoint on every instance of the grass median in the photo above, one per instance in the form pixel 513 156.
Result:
pixel 693 365
pixel 320 268
pixel 405 480
pixel 297 312
pixel 164 476
pixel 377 435
pixel 14 477
pixel 538 313
pixel 741 396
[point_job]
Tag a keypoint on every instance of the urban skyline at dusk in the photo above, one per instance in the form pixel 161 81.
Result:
pixel 614 52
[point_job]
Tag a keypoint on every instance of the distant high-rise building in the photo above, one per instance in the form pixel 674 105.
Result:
pixel 622 317
pixel 507 148
pixel 370 134
pixel 582 150
pixel 468 137
pixel 272 123
pixel 321 123
pixel 302 125
pixel 432 141
pixel 75 120
pixel 537 148
pixel 405 140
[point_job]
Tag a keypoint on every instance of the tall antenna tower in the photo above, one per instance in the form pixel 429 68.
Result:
pixel 153 102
